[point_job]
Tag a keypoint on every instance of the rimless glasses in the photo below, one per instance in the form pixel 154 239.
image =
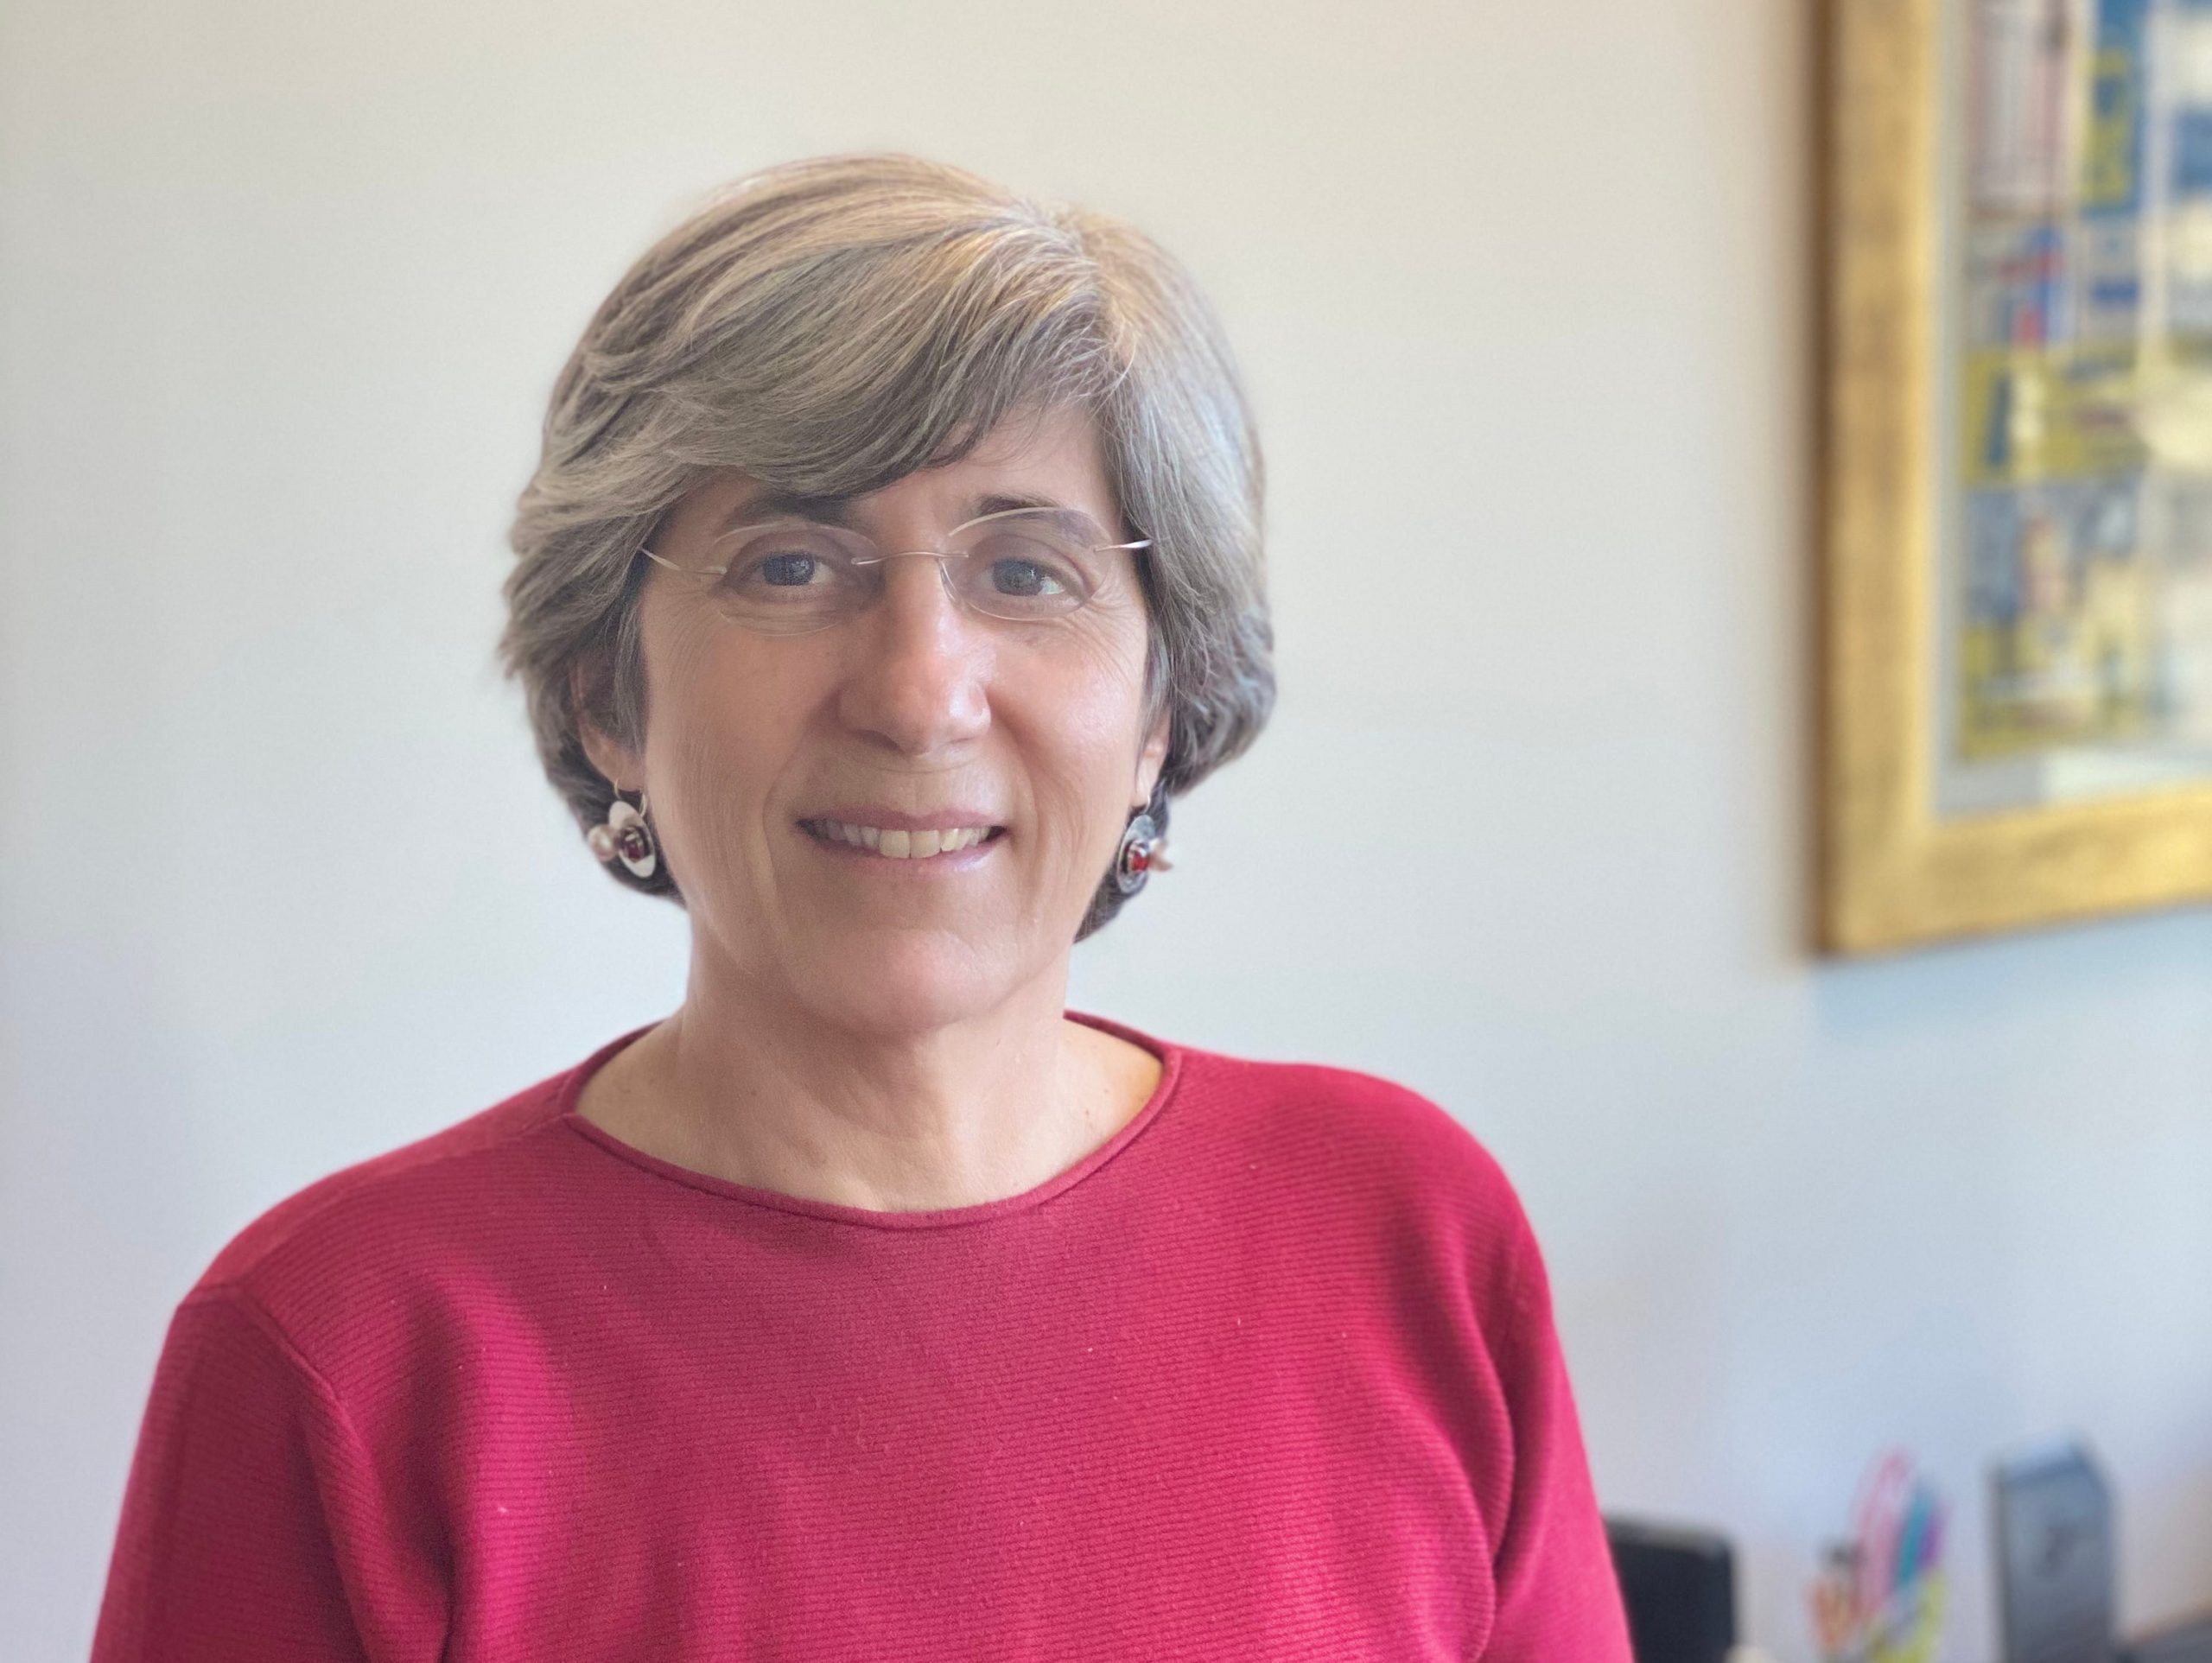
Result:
pixel 1022 565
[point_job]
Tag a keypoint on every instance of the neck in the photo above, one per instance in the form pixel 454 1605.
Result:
pixel 741 1085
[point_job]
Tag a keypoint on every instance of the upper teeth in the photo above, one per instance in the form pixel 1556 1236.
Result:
pixel 901 845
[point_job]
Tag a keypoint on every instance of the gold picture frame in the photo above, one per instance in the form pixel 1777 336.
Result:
pixel 1894 870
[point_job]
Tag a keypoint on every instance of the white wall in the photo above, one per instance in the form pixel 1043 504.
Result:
pixel 1523 295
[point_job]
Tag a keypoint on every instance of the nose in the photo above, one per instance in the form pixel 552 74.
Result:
pixel 919 679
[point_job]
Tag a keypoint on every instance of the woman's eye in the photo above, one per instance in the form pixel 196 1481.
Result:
pixel 786 560
pixel 788 571
pixel 1021 566
pixel 1015 576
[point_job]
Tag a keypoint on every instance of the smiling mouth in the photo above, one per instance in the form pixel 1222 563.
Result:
pixel 900 845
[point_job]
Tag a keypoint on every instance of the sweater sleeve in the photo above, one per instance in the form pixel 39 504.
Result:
pixel 1558 1597
pixel 254 1527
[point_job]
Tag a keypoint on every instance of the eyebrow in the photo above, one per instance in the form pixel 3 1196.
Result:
pixel 837 509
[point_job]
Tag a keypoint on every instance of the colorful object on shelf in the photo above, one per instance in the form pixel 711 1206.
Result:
pixel 1880 1595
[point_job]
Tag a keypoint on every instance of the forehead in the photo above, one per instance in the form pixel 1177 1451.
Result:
pixel 1051 458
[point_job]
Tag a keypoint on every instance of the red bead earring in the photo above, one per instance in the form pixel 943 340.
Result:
pixel 627 836
pixel 1143 852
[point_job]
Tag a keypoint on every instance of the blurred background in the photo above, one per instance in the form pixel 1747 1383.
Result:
pixel 1523 296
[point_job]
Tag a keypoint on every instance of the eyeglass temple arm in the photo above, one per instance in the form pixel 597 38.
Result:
pixel 688 571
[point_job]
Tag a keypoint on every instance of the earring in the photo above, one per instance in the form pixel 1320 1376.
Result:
pixel 1143 850
pixel 626 837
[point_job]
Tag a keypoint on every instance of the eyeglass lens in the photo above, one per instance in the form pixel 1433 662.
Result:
pixel 799 575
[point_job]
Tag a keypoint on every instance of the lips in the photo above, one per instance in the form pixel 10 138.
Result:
pixel 899 844
pixel 891 834
pixel 953 817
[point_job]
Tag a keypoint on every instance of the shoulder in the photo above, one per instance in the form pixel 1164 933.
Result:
pixel 377 1233
pixel 1321 1142
pixel 1361 1115
pixel 1360 1188
pixel 1363 1121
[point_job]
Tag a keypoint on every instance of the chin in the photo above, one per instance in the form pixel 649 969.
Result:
pixel 906 981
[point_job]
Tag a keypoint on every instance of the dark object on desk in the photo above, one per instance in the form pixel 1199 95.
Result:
pixel 2191 1642
pixel 2056 1576
pixel 1679 1588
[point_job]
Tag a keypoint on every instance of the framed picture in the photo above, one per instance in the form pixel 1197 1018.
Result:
pixel 2016 583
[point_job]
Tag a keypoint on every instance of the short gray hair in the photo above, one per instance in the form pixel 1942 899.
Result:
pixel 830 326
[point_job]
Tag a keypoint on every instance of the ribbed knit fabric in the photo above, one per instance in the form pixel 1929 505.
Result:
pixel 1270 1374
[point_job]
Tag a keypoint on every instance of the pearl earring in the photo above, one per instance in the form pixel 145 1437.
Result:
pixel 627 837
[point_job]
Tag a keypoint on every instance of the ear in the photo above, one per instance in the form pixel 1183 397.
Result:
pixel 623 768
pixel 1152 759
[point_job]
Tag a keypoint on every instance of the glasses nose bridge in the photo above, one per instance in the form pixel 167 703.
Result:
pixel 946 559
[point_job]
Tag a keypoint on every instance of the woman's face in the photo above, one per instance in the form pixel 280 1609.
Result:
pixel 913 712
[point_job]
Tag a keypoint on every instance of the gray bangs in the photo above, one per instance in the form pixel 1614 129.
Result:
pixel 909 387
pixel 830 364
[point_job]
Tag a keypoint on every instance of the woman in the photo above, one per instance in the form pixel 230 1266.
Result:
pixel 893 561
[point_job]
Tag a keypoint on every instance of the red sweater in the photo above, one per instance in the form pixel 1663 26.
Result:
pixel 1269 1374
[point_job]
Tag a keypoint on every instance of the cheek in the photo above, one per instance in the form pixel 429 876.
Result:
pixel 718 723
pixel 1086 732
pixel 1098 661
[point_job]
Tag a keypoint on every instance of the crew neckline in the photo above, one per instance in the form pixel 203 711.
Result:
pixel 571 1094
